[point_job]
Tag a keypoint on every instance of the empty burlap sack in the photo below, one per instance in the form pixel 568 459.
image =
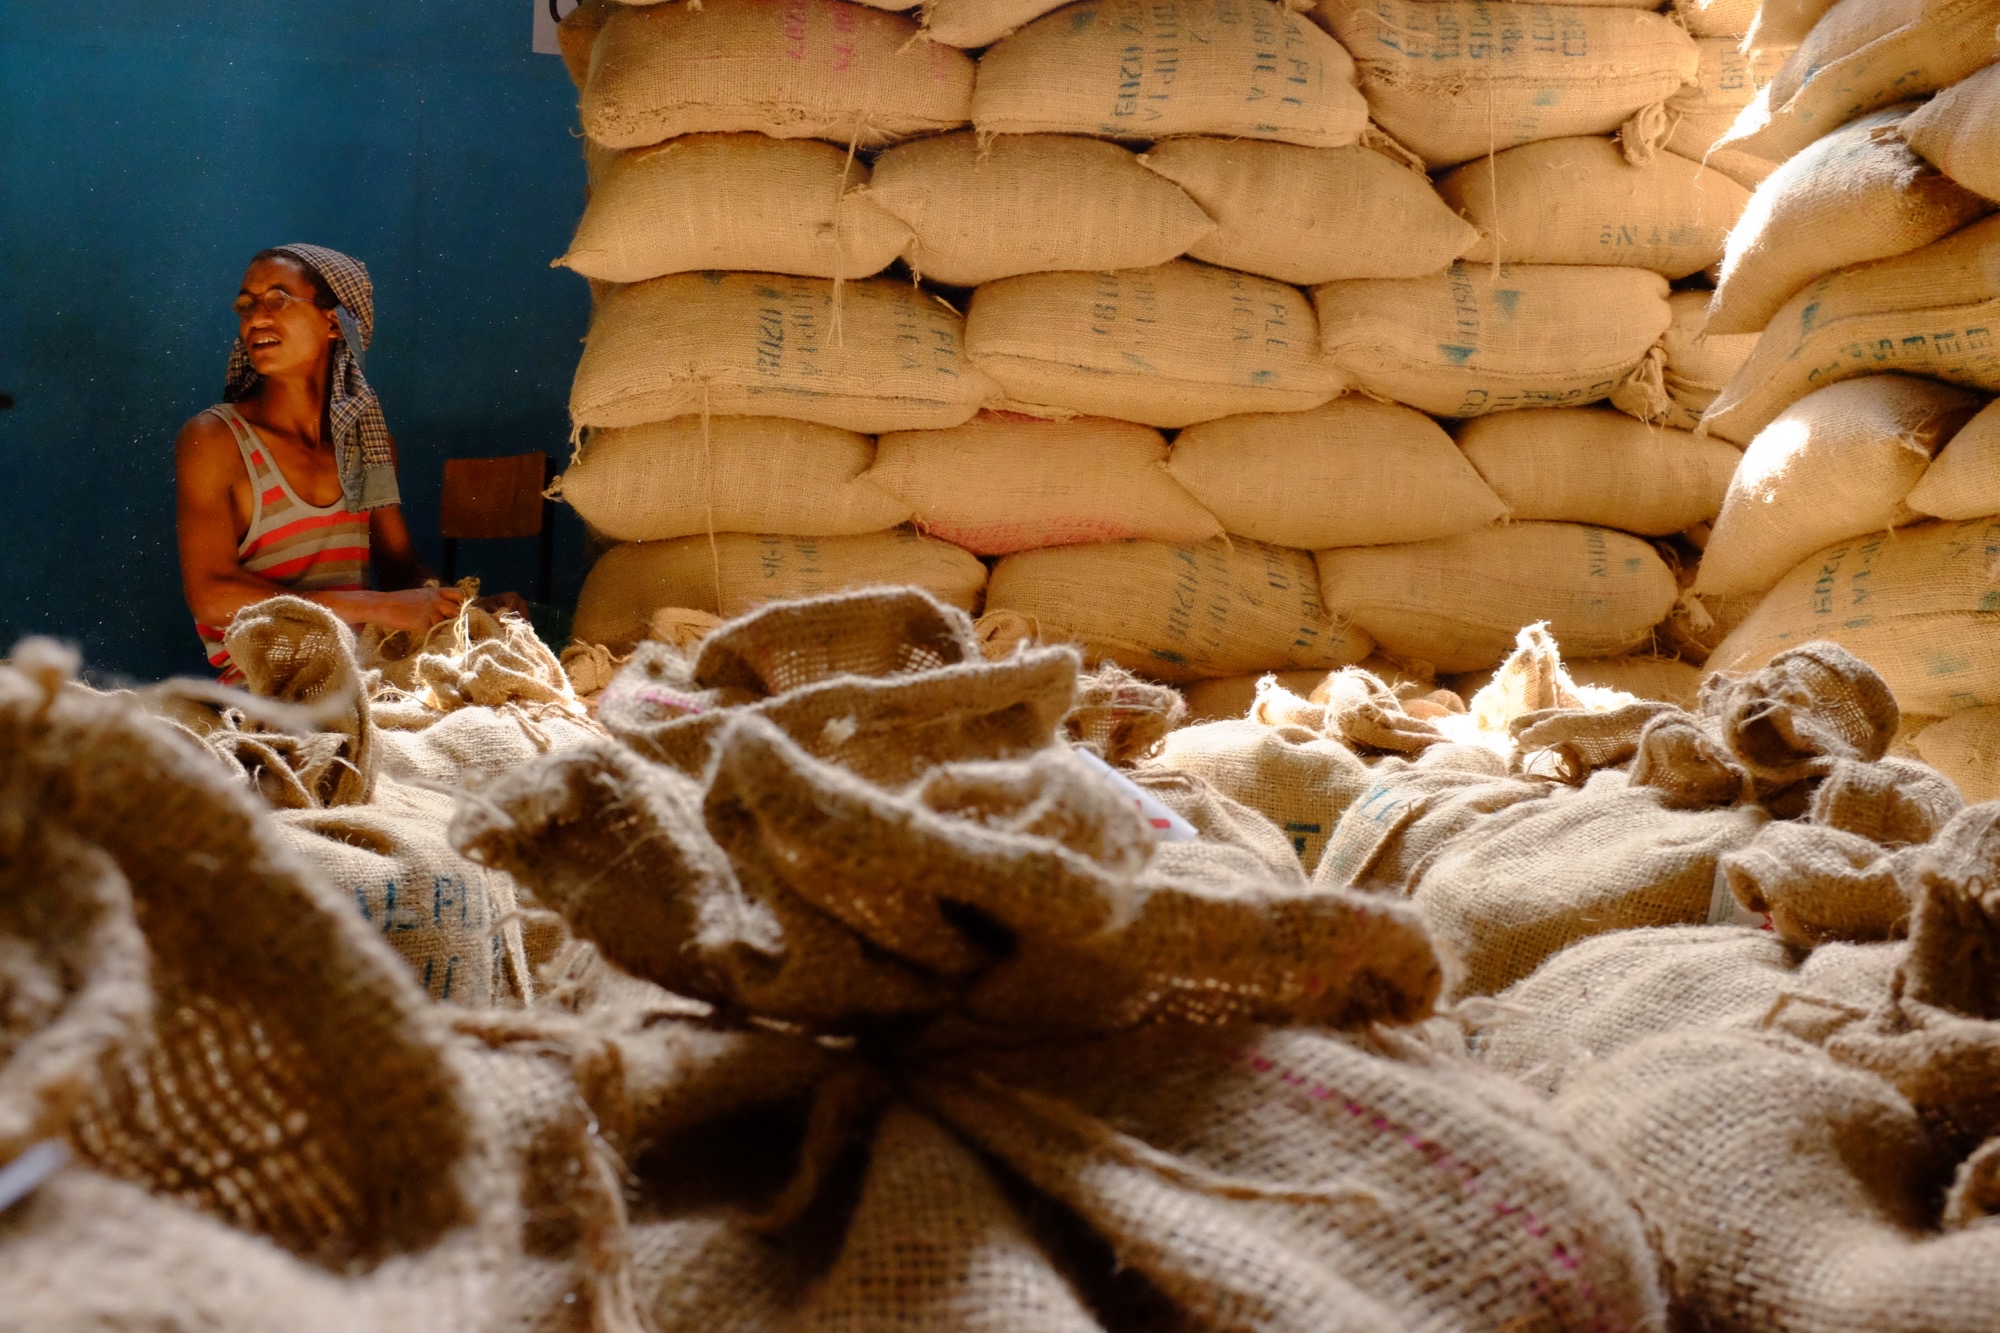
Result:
pixel 1595 465
pixel 1965 747
pixel 1858 194
pixel 1179 613
pixel 1029 203
pixel 476 659
pixel 1003 483
pixel 1959 131
pixel 1129 69
pixel 1355 472
pixel 732 201
pixel 1457 79
pixel 825 71
pixel 1685 371
pixel 1963 481
pixel 1481 338
pixel 1294 776
pixel 1309 215
pixel 1168 346
pixel 727 474
pixel 1579 201
pixel 1860 55
pixel 1923 313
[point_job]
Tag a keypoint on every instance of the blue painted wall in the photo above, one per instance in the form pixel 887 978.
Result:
pixel 148 150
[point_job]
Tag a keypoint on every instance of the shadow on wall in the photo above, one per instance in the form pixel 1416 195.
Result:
pixel 148 155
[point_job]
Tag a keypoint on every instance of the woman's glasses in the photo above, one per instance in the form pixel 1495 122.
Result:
pixel 275 300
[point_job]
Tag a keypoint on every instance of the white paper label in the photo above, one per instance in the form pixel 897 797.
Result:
pixel 1724 910
pixel 1166 825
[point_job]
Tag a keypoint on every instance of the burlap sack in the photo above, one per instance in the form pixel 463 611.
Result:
pixel 992 208
pixel 1963 481
pixel 1858 194
pixel 1485 338
pixel 1683 374
pixel 732 201
pixel 1457 602
pixel 1965 747
pixel 1595 465
pixel 1698 625
pixel 1408 816
pixel 1180 613
pixel 1361 711
pixel 1959 131
pixel 1783 24
pixel 1860 55
pixel 731 573
pixel 1717 18
pixel 1704 111
pixel 1120 718
pixel 829 71
pixel 1132 70
pixel 1310 215
pixel 1461 79
pixel 1923 313
pixel 1167 346
pixel 976 23
pixel 869 356
pixel 1228 698
pixel 1353 473
pixel 576 33
pixel 1293 776
pixel 1004 483
pixel 1835 465
pixel 727 474
pixel 1664 678
pixel 1579 201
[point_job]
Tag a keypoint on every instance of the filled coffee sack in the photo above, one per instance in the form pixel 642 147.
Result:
pixel 1916 604
pixel 1783 24
pixel 976 23
pixel 1580 201
pixel 1716 18
pixel 727 474
pixel 1002 483
pixel 1457 603
pixel 1180 613
pixel 1150 69
pixel 1031 203
pixel 1482 338
pixel 1728 81
pixel 1356 472
pixel 734 572
pixel 1459 79
pixel 732 201
pixel 1166 346
pixel 867 356
pixel 1665 678
pixel 1311 215
pixel 1596 465
pixel 1682 375
pixel 1959 131
pixel 1965 747
pixel 825 70
pixel 1858 194
pixel 1964 480
pixel 1929 312
pixel 1861 55
pixel 1838 463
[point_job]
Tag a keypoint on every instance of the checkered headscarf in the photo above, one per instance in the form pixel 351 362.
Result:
pixel 367 470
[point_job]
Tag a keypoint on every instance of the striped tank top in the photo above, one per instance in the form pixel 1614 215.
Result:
pixel 301 547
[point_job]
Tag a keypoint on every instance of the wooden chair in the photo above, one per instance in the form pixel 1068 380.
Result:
pixel 495 499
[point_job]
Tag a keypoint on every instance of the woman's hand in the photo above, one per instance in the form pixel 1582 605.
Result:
pixel 413 609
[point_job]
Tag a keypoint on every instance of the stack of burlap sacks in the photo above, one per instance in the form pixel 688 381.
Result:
pixel 1242 339
pixel 1867 270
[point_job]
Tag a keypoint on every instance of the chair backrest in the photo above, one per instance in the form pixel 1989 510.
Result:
pixel 493 497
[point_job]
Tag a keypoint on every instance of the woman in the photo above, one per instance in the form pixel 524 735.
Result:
pixel 289 484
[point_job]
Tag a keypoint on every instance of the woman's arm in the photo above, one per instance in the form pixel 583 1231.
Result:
pixel 390 549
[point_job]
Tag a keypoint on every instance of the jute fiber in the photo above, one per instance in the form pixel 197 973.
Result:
pixel 1858 194
pixel 1361 710
pixel 1457 602
pixel 785 68
pixel 1917 604
pixel 1924 313
pixel 976 23
pixel 1128 69
pixel 1685 371
pixel 1963 481
pixel 1482 338
pixel 732 201
pixel 1003 483
pixel 1355 472
pixel 734 572
pixel 1180 613
pixel 1728 80
pixel 1965 747
pixel 1460 79
pixel 1580 201
pixel 868 356
pixel 1861 55
pixel 1595 465
pixel 1838 464
pixel 1311 215
pixel 1166 346
pixel 1959 132
pixel 1717 18
pixel 1013 203
pixel 688 475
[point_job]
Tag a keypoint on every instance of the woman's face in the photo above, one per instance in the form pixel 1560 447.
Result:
pixel 288 341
